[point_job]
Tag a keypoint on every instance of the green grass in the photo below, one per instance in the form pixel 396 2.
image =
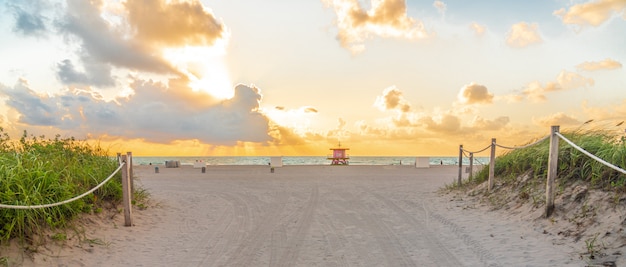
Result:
pixel 572 164
pixel 36 170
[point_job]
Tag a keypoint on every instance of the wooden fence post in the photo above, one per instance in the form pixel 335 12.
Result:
pixel 492 164
pixel 131 172
pixel 553 160
pixel 126 194
pixel 460 164
pixel 471 166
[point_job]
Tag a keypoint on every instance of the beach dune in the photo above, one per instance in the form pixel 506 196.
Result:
pixel 308 216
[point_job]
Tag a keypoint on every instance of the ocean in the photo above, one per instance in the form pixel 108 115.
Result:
pixel 304 160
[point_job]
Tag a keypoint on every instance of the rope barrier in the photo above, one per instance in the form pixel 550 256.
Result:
pixel 525 146
pixel 475 159
pixel 591 155
pixel 478 150
pixel 65 201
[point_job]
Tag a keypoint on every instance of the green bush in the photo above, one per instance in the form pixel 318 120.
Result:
pixel 36 171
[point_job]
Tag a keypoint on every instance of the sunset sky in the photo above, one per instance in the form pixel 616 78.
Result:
pixel 278 77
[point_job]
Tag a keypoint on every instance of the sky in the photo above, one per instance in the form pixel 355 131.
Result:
pixel 295 78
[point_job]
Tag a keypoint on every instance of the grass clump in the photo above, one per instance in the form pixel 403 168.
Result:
pixel 36 171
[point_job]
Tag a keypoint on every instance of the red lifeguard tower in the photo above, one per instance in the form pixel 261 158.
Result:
pixel 339 156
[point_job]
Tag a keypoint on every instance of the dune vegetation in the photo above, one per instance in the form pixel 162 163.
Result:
pixel 38 170
pixel 573 165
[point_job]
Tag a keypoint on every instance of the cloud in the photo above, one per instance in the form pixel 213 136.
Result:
pixel 607 64
pixel 612 111
pixel 173 23
pixel 591 13
pixel 97 74
pixel 309 110
pixel 42 110
pixel 556 119
pixel 479 30
pixel 392 99
pixel 474 93
pixel 134 36
pixel 102 43
pixel 29 19
pixel 154 112
pixel 564 81
pixel 440 6
pixel 386 18
pixel 523 34
pixel 446 123
pixel 481 124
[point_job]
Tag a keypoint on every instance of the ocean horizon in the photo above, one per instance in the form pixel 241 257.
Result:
pixel 302 160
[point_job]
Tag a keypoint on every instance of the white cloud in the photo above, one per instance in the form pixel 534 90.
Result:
pixel 440 6
pixel 386 18
pixel 523 34
pixel 593 13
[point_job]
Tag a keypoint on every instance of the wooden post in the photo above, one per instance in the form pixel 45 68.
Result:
pixel 119 158
pixel 126 194
pixel 131 172
pixel 460 164
pixel 471 166
pixel 492 164
pixel 553 160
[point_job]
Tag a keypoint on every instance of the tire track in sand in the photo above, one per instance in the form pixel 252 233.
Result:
pixel 386 240
pixel 229 232
pixel 439 251
pixel 248 248
pixel 294 243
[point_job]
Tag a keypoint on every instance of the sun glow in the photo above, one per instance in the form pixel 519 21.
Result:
pixel 204 67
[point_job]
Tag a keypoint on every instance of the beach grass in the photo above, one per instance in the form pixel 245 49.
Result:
pixel 39 170
pixel 573 165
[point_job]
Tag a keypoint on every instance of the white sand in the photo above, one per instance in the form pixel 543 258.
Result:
pixel 308 216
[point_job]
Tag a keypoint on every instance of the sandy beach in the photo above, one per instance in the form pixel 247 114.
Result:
pixel 307 216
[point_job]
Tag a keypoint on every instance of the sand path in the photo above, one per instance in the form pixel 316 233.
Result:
pixel 311 216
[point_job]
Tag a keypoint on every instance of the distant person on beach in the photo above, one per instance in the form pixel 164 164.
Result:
pixel 441 162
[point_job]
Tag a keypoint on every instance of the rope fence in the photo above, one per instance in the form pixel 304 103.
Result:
pixel 19 207
pixel 554 137
pixel 124 161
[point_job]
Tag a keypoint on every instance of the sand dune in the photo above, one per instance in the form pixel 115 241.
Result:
pixel 307 216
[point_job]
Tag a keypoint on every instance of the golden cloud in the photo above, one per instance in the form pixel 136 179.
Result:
pixel 556 119
pixel 523 34
pixel 386 18
pixel 564 81
pixel 478 29
pixel 392 99
pixel 592 13
pixel 607 64
pixel 474 93
pixel 173 23
pixel 482 124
